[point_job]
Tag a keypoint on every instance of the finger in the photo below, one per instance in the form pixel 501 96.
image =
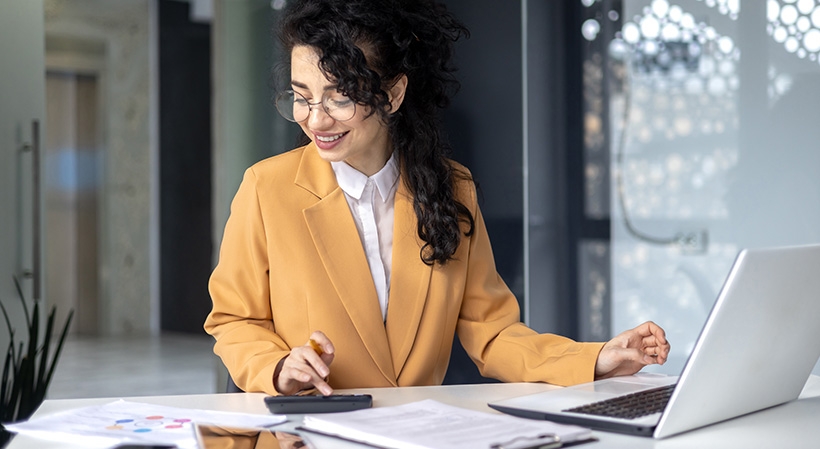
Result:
pixel 323 342
pixel 298 376
pixel 655 355
pixel 648 360
pixel 291 380
pixel 312 360
pixel 655 340
pixel 649 341
pixel 323 387
pixel 663 354
pixel 638 357
pixel 660 349
pixel 303 359
pixel 655 331
pixel 327 358
pixel 646 329
pixel 655 351
pixel 309 378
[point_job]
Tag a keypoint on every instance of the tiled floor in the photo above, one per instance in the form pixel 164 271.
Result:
pixel 135 366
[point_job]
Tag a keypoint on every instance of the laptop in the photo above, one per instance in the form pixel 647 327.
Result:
pixel 756 350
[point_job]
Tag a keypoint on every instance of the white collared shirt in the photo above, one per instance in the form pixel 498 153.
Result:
pixel 371 202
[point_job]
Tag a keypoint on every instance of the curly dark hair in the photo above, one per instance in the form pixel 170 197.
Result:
pixel 365 46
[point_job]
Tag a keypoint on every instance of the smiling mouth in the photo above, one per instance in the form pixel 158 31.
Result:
pixel 330 138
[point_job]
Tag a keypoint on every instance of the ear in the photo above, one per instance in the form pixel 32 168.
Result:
pixel 396 93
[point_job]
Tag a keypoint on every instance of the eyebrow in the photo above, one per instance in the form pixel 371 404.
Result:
pixel 304 86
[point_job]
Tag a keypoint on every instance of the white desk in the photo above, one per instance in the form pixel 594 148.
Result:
pixel 792 425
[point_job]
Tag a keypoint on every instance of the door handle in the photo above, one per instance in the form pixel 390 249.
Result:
pixel 34 147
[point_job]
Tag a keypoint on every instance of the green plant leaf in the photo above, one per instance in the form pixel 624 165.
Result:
pixel 28 366
pixel 22 298
pixel 16 388
pixel 5 388
pixel 39 383
pixel 8 321
pixel 59 349
pixel 11 334
pixel 27 371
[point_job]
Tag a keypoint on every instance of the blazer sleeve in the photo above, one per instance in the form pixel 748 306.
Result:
pixel 241 319
pixel 491 332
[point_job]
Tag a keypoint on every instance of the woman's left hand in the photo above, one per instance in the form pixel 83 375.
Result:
pixel 631 350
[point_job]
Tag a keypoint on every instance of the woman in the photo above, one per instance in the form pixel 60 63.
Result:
pixel 368 242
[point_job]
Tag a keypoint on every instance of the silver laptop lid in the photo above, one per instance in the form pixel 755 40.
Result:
pixel 759 344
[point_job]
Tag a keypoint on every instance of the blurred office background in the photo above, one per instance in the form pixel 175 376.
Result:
pixel 625 150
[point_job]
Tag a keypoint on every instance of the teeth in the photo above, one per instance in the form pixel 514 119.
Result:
pixel 329 138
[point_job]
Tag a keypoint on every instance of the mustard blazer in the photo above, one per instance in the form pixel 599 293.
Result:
pixel 292 262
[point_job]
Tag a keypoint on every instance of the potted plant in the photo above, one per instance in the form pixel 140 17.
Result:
pixel 28 366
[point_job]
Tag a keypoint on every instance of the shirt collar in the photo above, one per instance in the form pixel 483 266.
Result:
pixel 352 181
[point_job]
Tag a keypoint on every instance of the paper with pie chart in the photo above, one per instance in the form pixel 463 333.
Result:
pixel 122 421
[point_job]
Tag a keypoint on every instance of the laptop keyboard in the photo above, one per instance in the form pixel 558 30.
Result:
pixel 630 406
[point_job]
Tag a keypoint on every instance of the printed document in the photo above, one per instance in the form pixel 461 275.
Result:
pixel 124 421
pixel 430 424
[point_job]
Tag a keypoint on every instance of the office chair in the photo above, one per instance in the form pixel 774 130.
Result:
pixel 231 387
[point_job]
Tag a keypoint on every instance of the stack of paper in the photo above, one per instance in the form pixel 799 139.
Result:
pixel 432 425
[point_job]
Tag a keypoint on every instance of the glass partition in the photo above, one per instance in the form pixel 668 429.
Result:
pixel 701 138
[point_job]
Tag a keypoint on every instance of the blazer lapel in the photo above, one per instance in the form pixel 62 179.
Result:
pixel 339 246
pixel 409 280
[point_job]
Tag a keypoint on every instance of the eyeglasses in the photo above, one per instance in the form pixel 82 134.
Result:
pixel 295 107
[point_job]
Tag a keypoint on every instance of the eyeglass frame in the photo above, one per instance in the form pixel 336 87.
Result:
pixel 310 106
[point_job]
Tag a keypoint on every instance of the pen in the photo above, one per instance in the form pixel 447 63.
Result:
pixel 543 441
pixel 316 347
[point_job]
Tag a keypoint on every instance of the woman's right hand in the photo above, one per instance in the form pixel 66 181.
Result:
pixel 305 368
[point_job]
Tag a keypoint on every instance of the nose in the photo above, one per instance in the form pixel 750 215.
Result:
pixel 318 118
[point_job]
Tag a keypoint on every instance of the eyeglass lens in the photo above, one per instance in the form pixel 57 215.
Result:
pixel 295 107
